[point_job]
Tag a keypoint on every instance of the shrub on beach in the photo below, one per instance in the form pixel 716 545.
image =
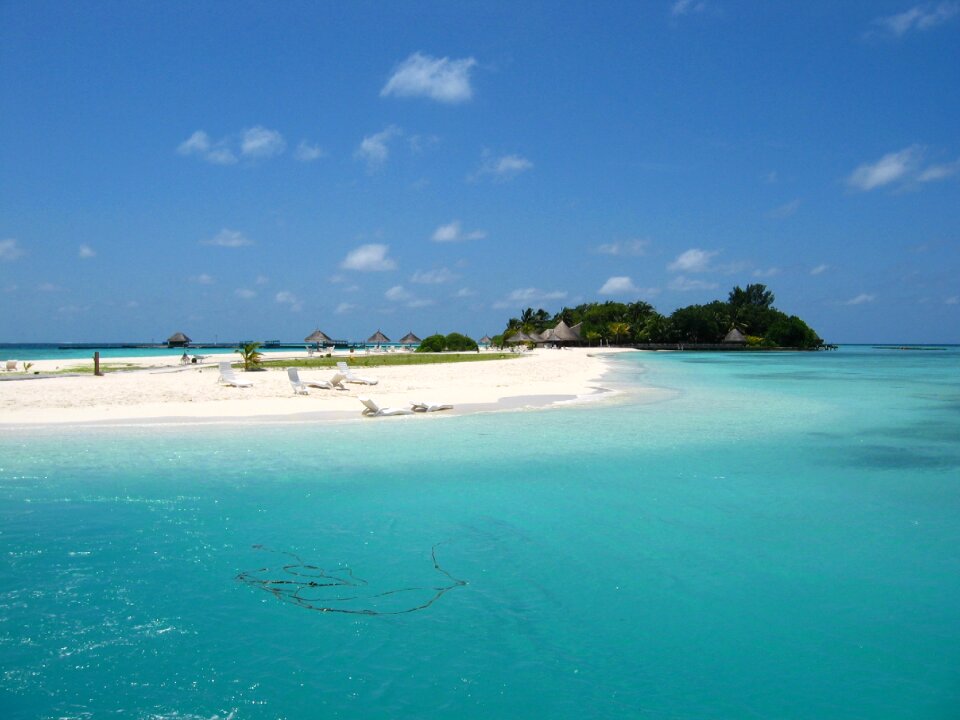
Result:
pixel 441 343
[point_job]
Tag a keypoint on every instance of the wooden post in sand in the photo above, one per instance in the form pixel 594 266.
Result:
pixel 96 364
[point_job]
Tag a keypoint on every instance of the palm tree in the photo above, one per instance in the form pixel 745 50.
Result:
pixel 619 329
pixel 251 355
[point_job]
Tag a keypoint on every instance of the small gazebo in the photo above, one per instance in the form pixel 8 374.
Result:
pixel 319 338
pixel 378 338
pixel 178 340
pixel 486 340
pixel 735 337
pixel 410 339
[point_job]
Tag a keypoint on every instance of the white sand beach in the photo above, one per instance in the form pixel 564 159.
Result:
pixel 159 389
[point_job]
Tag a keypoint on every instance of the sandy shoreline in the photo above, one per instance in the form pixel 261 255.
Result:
pixel 163 391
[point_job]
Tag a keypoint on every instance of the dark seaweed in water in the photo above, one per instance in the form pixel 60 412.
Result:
pixel 313 588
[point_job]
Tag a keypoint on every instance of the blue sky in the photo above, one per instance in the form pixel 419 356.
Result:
pixel 257 170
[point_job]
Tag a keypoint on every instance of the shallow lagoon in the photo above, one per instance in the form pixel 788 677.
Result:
pixel 776 536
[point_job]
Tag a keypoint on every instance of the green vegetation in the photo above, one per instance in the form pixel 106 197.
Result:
pixel 388 359
pixel 88 369
pixel 251 355
pixel 749 309
pixel 454 342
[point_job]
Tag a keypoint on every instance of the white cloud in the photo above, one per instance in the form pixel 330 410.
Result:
pixel 685 7
pixel 244 293
pixel 261 143
pixel 635 247
pixel 48 287
pixel 890 168
pixel 369 258
pixel 343 308
pixel 952 300
pixel 684 284
pixel 819 269
pixel 262 280
pixel 505 167
pixel 528 296
pixel 196 144
pixel 433 277
pixel 939 172
pixel 619 285
pixel 693 260
pixel 285 297
pixel 419 302
pixel 861 299
pixel 306 152
pixel 784 211
pixel 454 233
pixel 228 238
pixel 374 149
pixel 440 79
pixel 86 252
pixel 203 279
pixel 397 294
pixel 10 249
pixel 221 156
pixel 465 292
pixel 766 272
pixel 919 17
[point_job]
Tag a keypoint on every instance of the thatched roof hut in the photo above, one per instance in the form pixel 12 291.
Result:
pixel 519 337
pixel 410 339
pixel 564 333
pixel 178 340
pixel 735 337
pixel 319 337
pixel 378 337
pixel 485 340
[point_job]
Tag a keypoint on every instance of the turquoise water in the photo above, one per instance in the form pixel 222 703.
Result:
pixel 777 537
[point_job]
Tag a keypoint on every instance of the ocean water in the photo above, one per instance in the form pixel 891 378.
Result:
pixel 775 536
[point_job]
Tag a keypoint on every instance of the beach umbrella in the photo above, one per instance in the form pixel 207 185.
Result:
pixel 735 336
pixel 378 338
pixel 486 340
pixel 544 337
pixel 177 340
pixel 410 339
pixel 319 337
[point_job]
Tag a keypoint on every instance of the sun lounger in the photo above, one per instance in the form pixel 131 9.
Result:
pixel 374 410
pixel 351 378
pixel 227 376
pixel 422 406
pixel 11 365
pixel 300 386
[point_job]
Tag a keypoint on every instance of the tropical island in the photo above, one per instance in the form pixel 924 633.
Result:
pixel 746 319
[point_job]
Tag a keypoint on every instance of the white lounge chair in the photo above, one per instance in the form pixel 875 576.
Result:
pixel 12 365
pixel 300 386
pixel 351 378
pixel 422 406
pixel 374 410
pixel 227 376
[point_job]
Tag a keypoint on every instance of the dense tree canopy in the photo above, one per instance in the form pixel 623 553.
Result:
pixel 748 309
pixel 441 343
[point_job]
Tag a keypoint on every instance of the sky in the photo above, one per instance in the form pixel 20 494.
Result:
pixel 256 170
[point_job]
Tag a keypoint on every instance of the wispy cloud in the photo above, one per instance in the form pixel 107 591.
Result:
pixel 245 293
pixel 399 294
pixel 199 144
pixel 892 167
pixel 259 142
pixel 440 79
pixel 433 277
pixel 203 279
pixel 307 152
pixel 369 258
pixel 344 307
pixel 619 285
pixel 821 268
pixel 505 167
pixel 228 238
pixel 86 252
pixel 784 211
pixel 262 280
pixel 634 247
pixel 453 232
pixel 375 149
pixel 952 300
pixel 527 296
pixel 465 292
pixel 939 172
pixel 687 7
pixel 693 260
pixel 48 287
pixel 684 284
pixel 285 297
pixel 918 18
pixel 10 250
pixel 766 272
pixel 861 299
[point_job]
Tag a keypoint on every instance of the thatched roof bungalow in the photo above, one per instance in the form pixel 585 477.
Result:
pixel 178 340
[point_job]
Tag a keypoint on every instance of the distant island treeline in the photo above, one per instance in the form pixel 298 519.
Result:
pixel 749 312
